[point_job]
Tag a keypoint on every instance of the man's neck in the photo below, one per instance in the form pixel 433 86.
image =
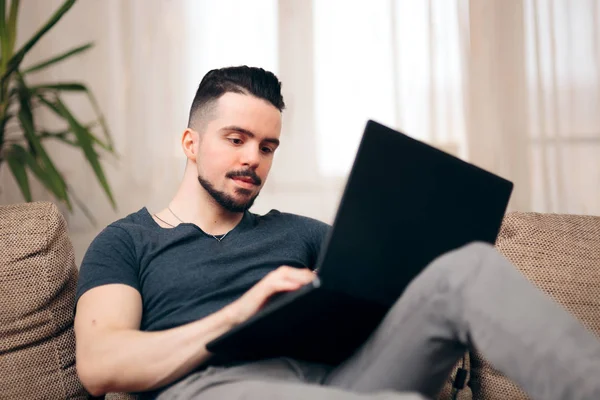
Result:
pixel 193 204
pixel 211 218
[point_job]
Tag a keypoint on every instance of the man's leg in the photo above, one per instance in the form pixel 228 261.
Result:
pixel 260 390
pixel 278 378
pixel 474 298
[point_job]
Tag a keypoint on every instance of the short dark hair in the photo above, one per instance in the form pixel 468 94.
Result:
pixel 243 79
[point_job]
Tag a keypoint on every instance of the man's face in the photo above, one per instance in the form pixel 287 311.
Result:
pixel 235 151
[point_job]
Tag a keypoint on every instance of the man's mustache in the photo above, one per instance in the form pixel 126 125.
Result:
pixel 248 173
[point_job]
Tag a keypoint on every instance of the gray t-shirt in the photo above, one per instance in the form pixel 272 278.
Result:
pixel 184 274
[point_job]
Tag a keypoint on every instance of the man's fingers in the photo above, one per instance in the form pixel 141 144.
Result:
pixel 287 285
pixel 283 279
pixel 275 283
pixel 303 275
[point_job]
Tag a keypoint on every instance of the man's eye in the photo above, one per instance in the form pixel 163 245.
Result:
pixel 235 140
pixel 267 150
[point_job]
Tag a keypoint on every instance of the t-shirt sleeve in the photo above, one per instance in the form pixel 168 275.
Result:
pixel 109 259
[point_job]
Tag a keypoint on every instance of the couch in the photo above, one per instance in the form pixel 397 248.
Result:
pixel 558 253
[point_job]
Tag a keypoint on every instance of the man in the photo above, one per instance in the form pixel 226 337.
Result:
pixel 155 288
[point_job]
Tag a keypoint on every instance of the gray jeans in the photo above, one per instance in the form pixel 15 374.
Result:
pixel 471 298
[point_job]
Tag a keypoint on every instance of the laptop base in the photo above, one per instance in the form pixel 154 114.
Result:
pixel 318 325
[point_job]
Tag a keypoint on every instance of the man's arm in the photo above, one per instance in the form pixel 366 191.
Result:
pixel 113 355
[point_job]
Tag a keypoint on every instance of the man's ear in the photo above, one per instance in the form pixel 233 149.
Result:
pixel 189 143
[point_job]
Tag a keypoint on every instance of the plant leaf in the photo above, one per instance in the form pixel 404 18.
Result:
pixel 11 24
pixel 64 132
pixel 62 135
pixel 102 121
pixel 13 64
pixel 58 58
pixel 65 86
pixel 4 34
pixel 33 165
pixel 85 142
pixel 50 174
pixel 23 159
pixel 24 99
pixel 16 164
pixel 86 211
pixel 79 87
pixel 58 136
pixel 3 125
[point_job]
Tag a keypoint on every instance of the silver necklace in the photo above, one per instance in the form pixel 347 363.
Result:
pixel 171 225
pixel 180 220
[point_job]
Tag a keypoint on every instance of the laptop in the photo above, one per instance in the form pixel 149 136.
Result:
pixel 405 203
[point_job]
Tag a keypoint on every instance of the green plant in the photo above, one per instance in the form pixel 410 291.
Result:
pixel 21 138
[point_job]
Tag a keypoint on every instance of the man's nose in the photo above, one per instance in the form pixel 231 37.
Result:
pixel 251 157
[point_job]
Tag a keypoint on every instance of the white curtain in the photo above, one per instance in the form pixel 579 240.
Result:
pixel 397 62
pixel 563 73
pixel 512 86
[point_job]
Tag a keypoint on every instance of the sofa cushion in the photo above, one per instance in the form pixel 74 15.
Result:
pixel 37 291
pixel 560 254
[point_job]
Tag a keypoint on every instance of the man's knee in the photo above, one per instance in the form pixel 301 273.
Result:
pixel 481 248
pixel 468 255
pixel 475 252
pixel 460 264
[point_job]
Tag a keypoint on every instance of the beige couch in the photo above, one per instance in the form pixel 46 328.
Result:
pixel 559 253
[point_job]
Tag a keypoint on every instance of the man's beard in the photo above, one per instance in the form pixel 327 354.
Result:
pixel 229 202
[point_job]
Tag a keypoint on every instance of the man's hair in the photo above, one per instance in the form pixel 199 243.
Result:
pixel 244 80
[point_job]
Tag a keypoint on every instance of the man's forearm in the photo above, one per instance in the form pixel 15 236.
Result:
pixel 131 360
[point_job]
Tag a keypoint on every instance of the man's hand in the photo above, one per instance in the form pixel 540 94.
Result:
pixel 283 279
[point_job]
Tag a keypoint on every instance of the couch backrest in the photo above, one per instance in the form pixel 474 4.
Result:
pixel 38 279
pixel 560 254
